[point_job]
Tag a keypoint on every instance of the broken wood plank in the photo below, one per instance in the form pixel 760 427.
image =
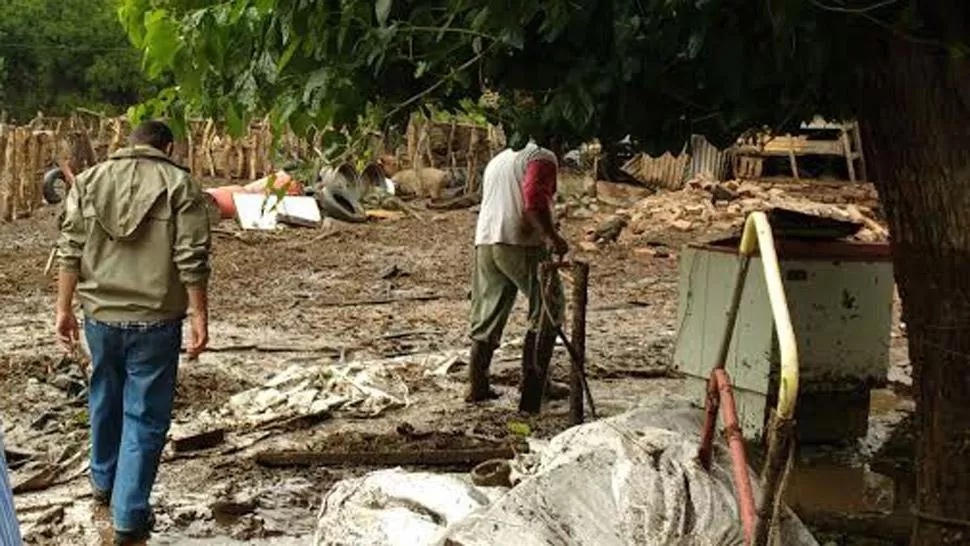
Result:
pixel 378 301
pixel 49 476
pixel 275 349
pixel 294 422
pixel 410 333
pixel 200 441
pixel 639 373
pixel 444 457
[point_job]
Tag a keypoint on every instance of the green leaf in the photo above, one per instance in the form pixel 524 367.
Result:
pixel 162 42
pixel 520 428
pixel 233 120
pixel 420 69
pixel 382 9
pixel 288 53
pixel 479 21
pixel 316 80
pixel 958 50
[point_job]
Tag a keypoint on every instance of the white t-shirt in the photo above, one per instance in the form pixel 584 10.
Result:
pixel 500 220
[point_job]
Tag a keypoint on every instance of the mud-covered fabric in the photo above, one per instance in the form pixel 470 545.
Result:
pixel 136 231
pixel 629 480
pixel 500 273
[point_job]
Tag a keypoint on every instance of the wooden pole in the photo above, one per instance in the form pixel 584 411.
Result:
pixel 534 376
pixel 576 371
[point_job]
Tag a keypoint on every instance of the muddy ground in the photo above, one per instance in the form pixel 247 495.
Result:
pixel 313 297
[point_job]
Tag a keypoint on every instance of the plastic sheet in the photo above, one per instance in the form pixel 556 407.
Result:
pixel 628 480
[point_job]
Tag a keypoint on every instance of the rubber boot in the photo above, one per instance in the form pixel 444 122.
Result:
pixel 479 362
pixel 536 357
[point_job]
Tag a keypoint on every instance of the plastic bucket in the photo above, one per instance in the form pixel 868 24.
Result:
pixel 372 179
pixel 223 199
pixel 343 176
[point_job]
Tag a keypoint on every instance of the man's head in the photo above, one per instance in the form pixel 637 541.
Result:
pixel 155 134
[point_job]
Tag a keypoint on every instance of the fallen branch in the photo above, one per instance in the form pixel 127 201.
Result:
pixel 444 457
pixel 409 333
pixel 654 372
pixel 378 301
pixel 273 349
pixel 199 441
pixel 47 477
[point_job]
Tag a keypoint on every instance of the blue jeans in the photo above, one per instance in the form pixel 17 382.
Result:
pixel 9 529
pixel 133 375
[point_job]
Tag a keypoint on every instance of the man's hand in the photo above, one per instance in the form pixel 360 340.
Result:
pixel 198 334
pixel 198 321
pixel 65 324
pixel 558 245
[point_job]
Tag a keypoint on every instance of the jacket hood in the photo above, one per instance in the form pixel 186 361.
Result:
pixel 123 189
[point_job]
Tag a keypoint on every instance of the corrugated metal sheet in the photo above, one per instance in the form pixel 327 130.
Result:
pixel 706 159
pixel 666 171
pixel 700 158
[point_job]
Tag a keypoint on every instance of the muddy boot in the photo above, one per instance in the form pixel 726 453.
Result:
pixel 556 390
pixel 480 360
pixel 536 357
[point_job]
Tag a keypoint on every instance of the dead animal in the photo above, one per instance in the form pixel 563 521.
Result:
pixel 425 183
pixel 608 231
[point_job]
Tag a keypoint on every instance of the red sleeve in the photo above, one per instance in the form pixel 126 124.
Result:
pixel 539 185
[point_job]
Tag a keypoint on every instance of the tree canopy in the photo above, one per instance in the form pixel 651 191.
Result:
pixel 56 55
pixel 657 69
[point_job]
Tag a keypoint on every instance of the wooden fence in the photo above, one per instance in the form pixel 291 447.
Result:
pixel 28 151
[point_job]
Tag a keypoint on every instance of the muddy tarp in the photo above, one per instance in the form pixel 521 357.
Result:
pixel 630 480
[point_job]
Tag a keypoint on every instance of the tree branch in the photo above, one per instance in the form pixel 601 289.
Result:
pixel 859 10
pixel 467 64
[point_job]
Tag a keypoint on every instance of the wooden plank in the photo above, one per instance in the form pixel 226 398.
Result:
pixel 857 138
pixel 438 457
pixel 847 147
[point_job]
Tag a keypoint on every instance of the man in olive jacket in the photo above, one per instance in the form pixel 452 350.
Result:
pixel 135 245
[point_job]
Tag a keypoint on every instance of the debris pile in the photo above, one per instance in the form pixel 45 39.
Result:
pixel 361 389
pixel 706 205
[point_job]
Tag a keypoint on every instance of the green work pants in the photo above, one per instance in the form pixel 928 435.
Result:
pixel 500 273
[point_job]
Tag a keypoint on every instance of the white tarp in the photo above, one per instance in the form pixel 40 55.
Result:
pixel 628 480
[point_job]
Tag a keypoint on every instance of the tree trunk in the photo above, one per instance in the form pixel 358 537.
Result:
pixel 915 114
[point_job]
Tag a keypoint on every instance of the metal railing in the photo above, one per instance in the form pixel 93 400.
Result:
pixel 758 523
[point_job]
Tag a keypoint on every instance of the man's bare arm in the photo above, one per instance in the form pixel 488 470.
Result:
pixel 541 221
pixel 66 285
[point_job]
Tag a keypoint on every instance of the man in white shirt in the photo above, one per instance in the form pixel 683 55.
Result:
pixel 515 232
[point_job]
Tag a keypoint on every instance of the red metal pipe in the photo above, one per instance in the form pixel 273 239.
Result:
pixel 739 462
pixel 705 453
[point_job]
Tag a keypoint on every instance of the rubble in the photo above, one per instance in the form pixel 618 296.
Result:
pixel 710 206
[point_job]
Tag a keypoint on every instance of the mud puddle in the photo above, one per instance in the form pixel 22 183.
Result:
pixel 857 493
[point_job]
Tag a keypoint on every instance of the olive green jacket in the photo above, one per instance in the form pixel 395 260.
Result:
pixel 136 231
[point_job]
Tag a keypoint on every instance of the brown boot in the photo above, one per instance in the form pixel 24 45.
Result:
pixel 536 357
pixel 479 362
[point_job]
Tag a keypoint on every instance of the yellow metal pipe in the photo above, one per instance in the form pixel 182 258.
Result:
pixel 757 236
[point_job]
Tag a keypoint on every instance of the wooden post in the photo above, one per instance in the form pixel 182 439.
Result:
pixel 576 371
pixel 793 161
pixel 6 195
pixel 847 150
pixel 857 139
pixel 534 376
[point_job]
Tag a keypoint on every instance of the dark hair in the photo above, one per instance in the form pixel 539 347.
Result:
pixel 152 133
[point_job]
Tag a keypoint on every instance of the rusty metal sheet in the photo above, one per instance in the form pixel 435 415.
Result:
pixel 706 159
pixel 667 171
